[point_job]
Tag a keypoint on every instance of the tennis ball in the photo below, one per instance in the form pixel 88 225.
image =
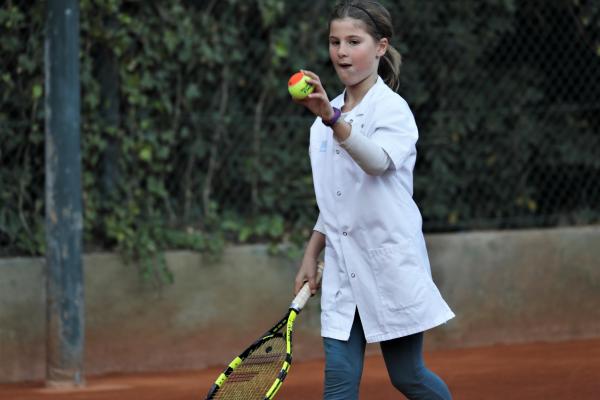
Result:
pixel 298 86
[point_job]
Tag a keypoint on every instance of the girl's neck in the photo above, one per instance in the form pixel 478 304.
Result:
pixel 354 94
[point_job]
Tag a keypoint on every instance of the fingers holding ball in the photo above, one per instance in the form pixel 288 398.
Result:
pixel 299 87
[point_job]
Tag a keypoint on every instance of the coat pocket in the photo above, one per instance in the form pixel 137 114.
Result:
pixel 398 276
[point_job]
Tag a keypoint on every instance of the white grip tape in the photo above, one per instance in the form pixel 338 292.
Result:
pixel 304 294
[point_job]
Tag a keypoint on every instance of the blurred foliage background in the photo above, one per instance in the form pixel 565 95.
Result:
pixel 190 140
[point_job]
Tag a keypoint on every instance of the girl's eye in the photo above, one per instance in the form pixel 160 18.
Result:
pixel 334 42
pixel 354 42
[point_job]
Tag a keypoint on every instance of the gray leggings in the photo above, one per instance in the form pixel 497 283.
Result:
pixel 403 359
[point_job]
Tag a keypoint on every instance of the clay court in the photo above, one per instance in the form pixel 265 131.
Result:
pixel 535 371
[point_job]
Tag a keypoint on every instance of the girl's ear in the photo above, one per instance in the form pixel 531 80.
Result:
pixel 382 46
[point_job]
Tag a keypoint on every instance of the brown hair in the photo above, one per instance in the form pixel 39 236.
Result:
pixel 378 21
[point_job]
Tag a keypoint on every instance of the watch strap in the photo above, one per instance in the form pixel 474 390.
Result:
pixel 337 113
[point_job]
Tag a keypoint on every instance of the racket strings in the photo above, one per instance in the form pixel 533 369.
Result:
pixel 255 375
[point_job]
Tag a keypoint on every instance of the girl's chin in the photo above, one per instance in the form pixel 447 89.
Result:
pixel 347 77
pixel 350 80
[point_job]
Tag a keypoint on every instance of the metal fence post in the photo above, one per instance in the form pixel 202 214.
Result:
pixel 64 221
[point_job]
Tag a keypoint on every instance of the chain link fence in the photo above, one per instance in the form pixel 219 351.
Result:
pixel 524 151
pixel 200 130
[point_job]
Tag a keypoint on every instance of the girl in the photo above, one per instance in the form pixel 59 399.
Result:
pixel 377 284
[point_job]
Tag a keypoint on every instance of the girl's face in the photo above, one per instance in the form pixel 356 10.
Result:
pixel 354 53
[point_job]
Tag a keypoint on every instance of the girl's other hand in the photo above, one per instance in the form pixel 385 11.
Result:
pixel 307 273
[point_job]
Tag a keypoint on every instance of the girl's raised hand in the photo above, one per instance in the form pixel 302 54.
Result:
pixel 317 102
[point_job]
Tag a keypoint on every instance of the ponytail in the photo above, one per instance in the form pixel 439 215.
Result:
pixel 389 68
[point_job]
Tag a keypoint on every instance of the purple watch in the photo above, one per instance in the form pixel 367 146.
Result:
pixel 337 113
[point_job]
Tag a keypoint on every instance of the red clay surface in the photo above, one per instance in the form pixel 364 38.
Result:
pixel 565 370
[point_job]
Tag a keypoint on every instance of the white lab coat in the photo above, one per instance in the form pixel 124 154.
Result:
pixel 375 254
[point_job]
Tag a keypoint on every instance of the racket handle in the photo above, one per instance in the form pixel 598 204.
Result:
pixel 304 294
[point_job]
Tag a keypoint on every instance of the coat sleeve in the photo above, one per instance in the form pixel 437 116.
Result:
pixel 320 225
pixel 395 130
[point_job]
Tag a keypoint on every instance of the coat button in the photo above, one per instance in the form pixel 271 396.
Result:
pixel 337 152
pixel 353 275
pixel 339 193
pixel 345 233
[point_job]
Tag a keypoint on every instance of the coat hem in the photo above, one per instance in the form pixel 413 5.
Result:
pixel 411 331
pixel 345 335
pixel 335 334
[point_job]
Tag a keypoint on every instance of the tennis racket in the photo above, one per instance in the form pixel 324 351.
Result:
pixel 259 372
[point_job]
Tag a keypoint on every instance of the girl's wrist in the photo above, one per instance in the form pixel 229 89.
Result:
pixel 329 115
pixel 311 254
pixel 333 118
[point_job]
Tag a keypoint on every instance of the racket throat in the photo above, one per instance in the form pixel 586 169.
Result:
pixel 296 308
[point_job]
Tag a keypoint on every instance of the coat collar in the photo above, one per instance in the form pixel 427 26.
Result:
pixel 360 107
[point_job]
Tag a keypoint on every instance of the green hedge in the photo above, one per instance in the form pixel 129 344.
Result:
pixel 190 140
